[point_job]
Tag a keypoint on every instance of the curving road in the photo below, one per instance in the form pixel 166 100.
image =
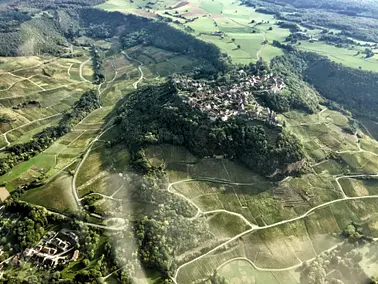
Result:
pixel 135 85
pixel 73 184
pixel 81 70
pixel 274 269
pixel 102 195
pixel 262 47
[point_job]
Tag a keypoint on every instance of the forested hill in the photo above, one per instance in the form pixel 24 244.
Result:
pixel 354 89
pixel 51 4
pixel 157 114
pixel 53 30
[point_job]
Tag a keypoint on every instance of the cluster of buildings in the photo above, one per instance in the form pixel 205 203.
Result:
pixel 227 100
pixel 54 248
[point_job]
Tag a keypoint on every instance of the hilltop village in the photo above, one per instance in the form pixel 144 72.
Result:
pixel 222 100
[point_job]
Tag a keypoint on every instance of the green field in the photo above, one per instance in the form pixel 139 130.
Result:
pixel 235 21
pixel 344 56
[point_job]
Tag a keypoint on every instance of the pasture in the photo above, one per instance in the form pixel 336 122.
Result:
pixel 345 56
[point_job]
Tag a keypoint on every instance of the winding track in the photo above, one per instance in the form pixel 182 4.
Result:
pixel 135 85
pixel 102 195
pixel 262 47
pixel 256 228
pixel 73 184
pixel 273 269
pixel 81 70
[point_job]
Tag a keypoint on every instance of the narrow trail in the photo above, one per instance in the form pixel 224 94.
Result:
pixel 56 156
pixel 115 193
pixel 69 70
pixel 81 70
pixel 262 46
pixel 73 184
pixel 135 85
pixel 14 84
pixel 31 67
pixel 212 180
pixel 111 273
pixel 102 195
pixel 275 269
pixel 108 83
pixel 27 79
pixel 367 130
pixel 356 151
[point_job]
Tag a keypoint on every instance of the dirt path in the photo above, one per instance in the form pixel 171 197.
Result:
pixel 262 46
pixel 102 195
pixel 15 83
pixel 274 269
pixel 135 85
pixel 73 184
pixel 31 67
pixel 81 70
pixel 117 190
pixel 367 130
pixel 69 70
